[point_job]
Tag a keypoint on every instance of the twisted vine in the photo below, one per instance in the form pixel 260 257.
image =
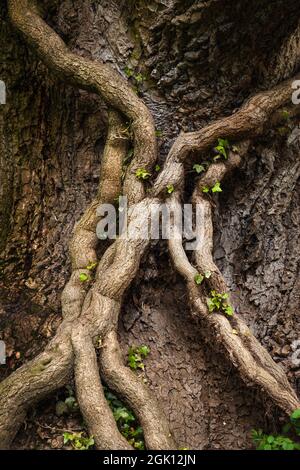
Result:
pixel 91 312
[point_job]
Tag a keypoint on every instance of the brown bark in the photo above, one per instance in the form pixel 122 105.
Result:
pixel 116 291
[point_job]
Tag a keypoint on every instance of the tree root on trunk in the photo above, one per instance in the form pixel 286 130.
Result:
pixel 91 309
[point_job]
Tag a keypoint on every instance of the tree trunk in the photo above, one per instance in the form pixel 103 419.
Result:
pixel 192 62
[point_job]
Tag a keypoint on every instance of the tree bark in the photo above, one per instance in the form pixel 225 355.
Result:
pixel 199 62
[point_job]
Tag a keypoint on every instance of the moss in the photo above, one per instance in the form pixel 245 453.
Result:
pixel 41 366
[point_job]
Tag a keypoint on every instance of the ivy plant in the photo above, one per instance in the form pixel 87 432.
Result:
pixel 217 302
pixel 214 189
pixel 136 356
pixel 288 440
pixel 170 189
pixel 198 168
pixel 68 405
pixel 126 421
pixel 142 174
pixel 83 277
pixel 222 149
pixel 78 440
pixel 199 278
pixel 91 266
pixel 137 77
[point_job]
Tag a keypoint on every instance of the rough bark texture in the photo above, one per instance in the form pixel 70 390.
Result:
pixel 52 138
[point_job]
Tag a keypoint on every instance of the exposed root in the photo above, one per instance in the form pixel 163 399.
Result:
pixel 89 391
pixel 137 395
pixel 91 310
pixel 95 77
pixel 252 361
pixel 246 123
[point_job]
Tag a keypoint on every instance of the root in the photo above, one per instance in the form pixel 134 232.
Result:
pixel 95 77
pixel 91 310
pixel 137 396
pixel 93 405
pixel 253 362
pixel 246 123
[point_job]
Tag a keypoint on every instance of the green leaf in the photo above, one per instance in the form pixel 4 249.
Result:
pixel 211 305
pixel 83 277
pixel 91 266
pixel 286 114
pixel 144 350
pixel 288 445
pixel 71 403
pixel 139 78
pixel 170 188
pixel 128 72
pixel 228 310
pixel 122 413
pixel 142 174
pixel 61 408
pixel 198 168
pixel 216 188
pixel 198 279
pixel 295 415
pixel 207 274
pixel 67 437
pixel 132 363
pixel 157 168
pixel 267 447
pixel 205 189
pixel 224 143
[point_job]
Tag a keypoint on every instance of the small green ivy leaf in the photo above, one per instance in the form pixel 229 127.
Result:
pixel 207 274
pixel 198 279
pixel 83 277
pixel 198 168
pixel 216 188
pixel 61 408
pixel 128 72
pixel 139 78
pixel 91 266
pixel 211 305
pixel 205 189
pixel 144 350
pixel 157 168
pixel 170 189
pixel 286 114
pixel 71 403
pixel 296 415
pixel 228 310
pixel 142 174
